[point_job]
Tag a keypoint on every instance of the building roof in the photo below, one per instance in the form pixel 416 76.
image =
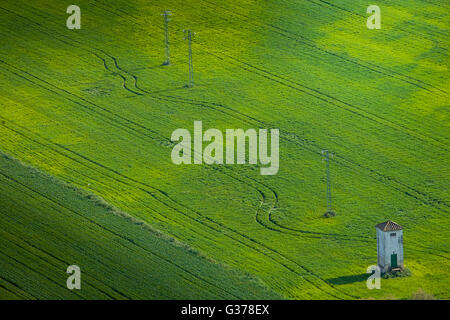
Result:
pixel 389 226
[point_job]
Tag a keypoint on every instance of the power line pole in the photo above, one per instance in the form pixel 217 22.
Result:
pixel 188 37
pixel 166 15
pixel 329 212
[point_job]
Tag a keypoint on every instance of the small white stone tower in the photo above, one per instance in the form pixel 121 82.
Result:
pixel 389 246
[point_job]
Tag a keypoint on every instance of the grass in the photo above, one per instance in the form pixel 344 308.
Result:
pixel 48 225
pixel 95 108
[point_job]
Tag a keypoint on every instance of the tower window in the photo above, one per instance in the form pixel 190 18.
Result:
pixel 393 234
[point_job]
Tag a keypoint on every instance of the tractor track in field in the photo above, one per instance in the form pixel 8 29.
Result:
pixel 33 270
pixel 24 294
pixel 287 261
pixel 58 204
pixel 128 240
pixel 7 177
pixel 267 221
pixel 124 84
pixel 20 295
pixel 66 264
pixel 427 251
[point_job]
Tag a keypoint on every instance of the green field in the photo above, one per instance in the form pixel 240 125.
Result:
pixel 46 226
pixel 91 112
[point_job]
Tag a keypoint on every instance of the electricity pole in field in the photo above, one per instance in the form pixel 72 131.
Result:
pixel 188 37
pixel 329 212
pixel 166 15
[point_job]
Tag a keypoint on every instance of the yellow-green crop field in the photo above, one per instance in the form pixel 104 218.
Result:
pixel 86 176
